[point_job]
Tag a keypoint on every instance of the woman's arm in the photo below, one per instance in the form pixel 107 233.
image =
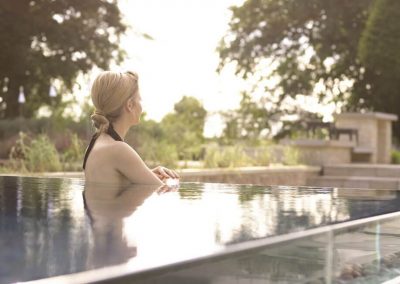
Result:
pixel 163 173
pixel 131 165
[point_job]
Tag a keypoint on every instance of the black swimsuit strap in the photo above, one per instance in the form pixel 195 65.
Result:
pixel 110 131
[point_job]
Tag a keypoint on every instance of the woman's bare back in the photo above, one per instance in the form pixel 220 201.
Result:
pixel 111 161
pixel 101 163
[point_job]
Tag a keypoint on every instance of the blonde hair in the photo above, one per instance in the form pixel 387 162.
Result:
pixel 110 91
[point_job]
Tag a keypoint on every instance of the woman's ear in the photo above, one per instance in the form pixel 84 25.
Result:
pixel 129 105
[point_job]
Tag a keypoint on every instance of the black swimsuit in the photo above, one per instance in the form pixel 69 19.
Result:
pixel 110 131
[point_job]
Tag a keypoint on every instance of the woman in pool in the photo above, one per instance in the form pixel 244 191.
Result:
pixel 108 159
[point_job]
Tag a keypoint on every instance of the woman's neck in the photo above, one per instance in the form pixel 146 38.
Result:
pixel 121 128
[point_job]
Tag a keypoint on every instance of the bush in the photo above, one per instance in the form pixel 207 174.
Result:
pixel 4 170
pixel 290 156
pixel 262 157
pixel 18 153
pixel 158 153
pixel 39 155
pixel 73 155
pixel 56 128
pixel 395 157
pixel 226 157
pixel 42 155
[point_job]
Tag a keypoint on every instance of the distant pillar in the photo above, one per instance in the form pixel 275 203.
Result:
pixel 374 133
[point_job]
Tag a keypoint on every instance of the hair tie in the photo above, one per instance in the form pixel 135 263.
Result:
pixel 99 112
pixel 100 121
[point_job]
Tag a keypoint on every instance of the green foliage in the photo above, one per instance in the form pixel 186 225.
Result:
pixel 73 156
pixel 379 47
pixel 290 156
pixel 225 157
pixel 42 156
pixel 247 122
pixel 297 44
pixel 262 157
pixel 52 125
pixel 184 128
pixel 395 157
pixel 4 170
pixel 37 155
pixel 242 155
pixel 53 40
pixel 148 138
pixel 159 153
pixel 379 51
pixel 57 128
pixel 179 135
pixel 19 153
pixel 10 127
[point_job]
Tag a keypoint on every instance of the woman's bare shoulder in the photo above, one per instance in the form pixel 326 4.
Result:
pixel 131 165
pixel 122 150
pixel 113 150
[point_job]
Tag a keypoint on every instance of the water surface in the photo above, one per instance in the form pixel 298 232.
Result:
pixel 48 227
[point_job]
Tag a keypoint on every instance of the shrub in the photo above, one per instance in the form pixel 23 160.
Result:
pixel 4 170
pixel 226 157
pixel 42 155
pixel 39 155
pixel 159 153
pixel 56 128
pixel 18 153
pixel 290 156
pixel 262 156
pixel 395 157
pixel 73 156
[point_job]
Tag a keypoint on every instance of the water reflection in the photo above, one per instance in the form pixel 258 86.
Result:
pixel 39 233
pixel 107 207
pixel 49 227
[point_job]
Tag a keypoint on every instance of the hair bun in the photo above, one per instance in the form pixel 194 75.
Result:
pixel 100 121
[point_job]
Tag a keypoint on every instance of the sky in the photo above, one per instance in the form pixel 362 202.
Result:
pixel 182 58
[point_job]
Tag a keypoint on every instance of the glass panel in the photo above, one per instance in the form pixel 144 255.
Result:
pixel 367 254
pixel 358 253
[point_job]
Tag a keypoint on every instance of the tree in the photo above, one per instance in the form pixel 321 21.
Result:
pixel 46 40
pixel 184 127
pixel 247 122
pixel 379 52
pixel 304 43
pixel 149 139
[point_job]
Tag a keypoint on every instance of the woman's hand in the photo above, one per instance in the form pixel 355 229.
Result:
pixel 165 188
pixel 163 173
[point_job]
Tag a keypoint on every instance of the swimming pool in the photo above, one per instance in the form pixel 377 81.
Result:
pixel 50 232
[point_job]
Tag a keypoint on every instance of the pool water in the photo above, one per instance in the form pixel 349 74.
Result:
pixel 199 233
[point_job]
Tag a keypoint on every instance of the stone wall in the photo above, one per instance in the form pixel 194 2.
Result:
pixel 322 152
pixel 285 175
pixel 278 175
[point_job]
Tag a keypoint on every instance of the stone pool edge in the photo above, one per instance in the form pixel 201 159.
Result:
pixel 276 175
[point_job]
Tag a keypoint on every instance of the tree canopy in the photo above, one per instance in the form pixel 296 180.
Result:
pixel 300 44
pixel 379 52
pixel 247 122
pixel 184 127
pixel 46 40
